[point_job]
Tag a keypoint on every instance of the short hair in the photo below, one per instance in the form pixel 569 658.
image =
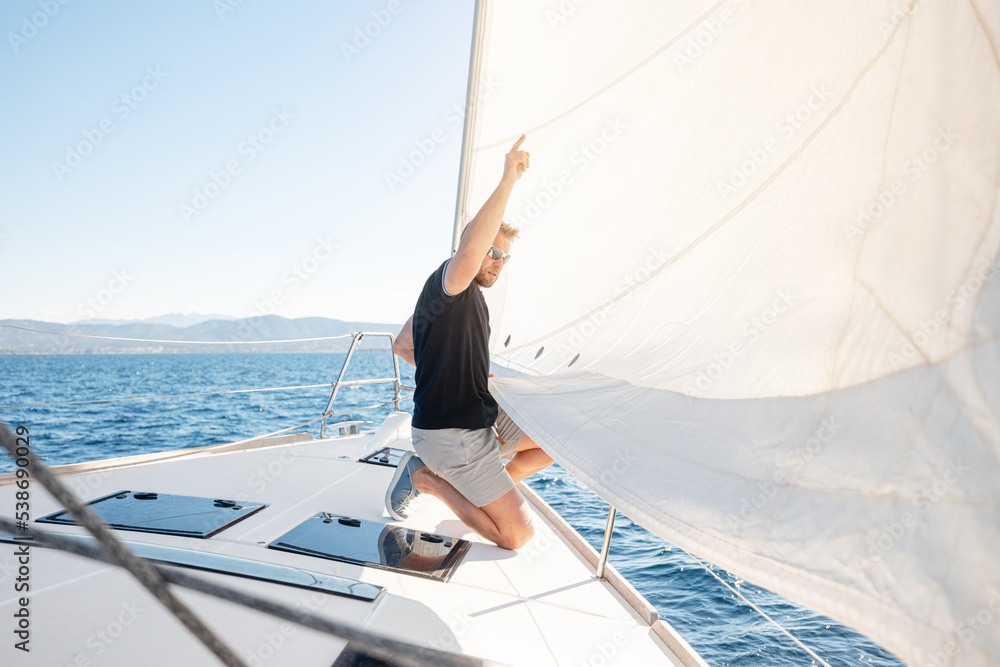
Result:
pixel 508 231
pixel 505 229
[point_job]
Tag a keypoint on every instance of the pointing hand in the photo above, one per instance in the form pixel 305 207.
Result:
pixel 515 162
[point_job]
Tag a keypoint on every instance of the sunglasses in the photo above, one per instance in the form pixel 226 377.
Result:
pixel 496 253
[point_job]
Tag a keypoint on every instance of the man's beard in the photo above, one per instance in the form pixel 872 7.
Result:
pixel 484 279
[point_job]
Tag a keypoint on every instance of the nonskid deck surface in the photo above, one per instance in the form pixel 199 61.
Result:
pixel 538 606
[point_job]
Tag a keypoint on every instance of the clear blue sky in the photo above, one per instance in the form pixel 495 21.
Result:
pixel 182 86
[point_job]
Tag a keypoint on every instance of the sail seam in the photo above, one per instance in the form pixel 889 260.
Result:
pixel 653 56
pixel 732 214
pixel 986 33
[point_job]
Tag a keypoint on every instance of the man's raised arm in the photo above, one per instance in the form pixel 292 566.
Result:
pixel 479 235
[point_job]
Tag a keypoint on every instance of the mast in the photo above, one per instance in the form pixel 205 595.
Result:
pixel 471 95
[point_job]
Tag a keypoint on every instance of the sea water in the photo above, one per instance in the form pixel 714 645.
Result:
pixel 717 623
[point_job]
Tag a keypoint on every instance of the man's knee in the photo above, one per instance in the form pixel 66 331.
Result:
pixel 517 537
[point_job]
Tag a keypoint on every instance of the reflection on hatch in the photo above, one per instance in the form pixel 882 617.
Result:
pixel 374 544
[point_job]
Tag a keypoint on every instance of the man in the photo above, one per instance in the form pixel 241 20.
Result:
pixel 458 453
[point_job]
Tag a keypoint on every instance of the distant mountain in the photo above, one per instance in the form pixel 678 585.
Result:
pixel 242 333
pixel 174 319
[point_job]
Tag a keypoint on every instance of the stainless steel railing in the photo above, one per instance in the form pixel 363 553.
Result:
pixel 606 546
pixel 398 385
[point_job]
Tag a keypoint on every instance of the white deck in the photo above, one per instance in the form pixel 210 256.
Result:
pixel 538 606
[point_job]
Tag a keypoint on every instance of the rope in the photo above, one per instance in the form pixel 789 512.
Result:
pixel 155 579
pixel 144 398
pixel 194 342
pixel 759 611
pixel 397 652
pixel 118 553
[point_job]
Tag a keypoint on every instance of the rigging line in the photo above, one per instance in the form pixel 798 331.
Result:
pixel 698 21
pixel 156 578
pixel 144 398
pixel 192 342
pixel 728 217
pixel 116 552
pixel 759 611
pixel 379 646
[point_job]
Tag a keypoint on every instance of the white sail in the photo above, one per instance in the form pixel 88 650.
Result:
pixel 756 300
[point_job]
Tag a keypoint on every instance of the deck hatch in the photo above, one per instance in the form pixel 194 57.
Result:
pixel 349 540
pixel 387 456
pixel 163 513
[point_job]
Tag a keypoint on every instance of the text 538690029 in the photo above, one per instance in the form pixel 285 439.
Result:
pixel 22 515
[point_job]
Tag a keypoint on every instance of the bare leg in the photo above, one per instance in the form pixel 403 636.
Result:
pixel 421 563
pixel 528 460
pixel 505 522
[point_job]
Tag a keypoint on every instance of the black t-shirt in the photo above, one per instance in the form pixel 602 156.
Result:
pixel 451 336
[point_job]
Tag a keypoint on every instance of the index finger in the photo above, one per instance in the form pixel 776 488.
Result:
pixel 517 144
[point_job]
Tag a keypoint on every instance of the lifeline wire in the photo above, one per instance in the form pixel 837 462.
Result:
pixel 143 398
pixel 313 421
pixel 759 611
pixel 190 342
pixel 200 393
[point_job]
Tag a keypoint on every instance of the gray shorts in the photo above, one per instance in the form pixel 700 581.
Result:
pixel 509 433
pixel 470 459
